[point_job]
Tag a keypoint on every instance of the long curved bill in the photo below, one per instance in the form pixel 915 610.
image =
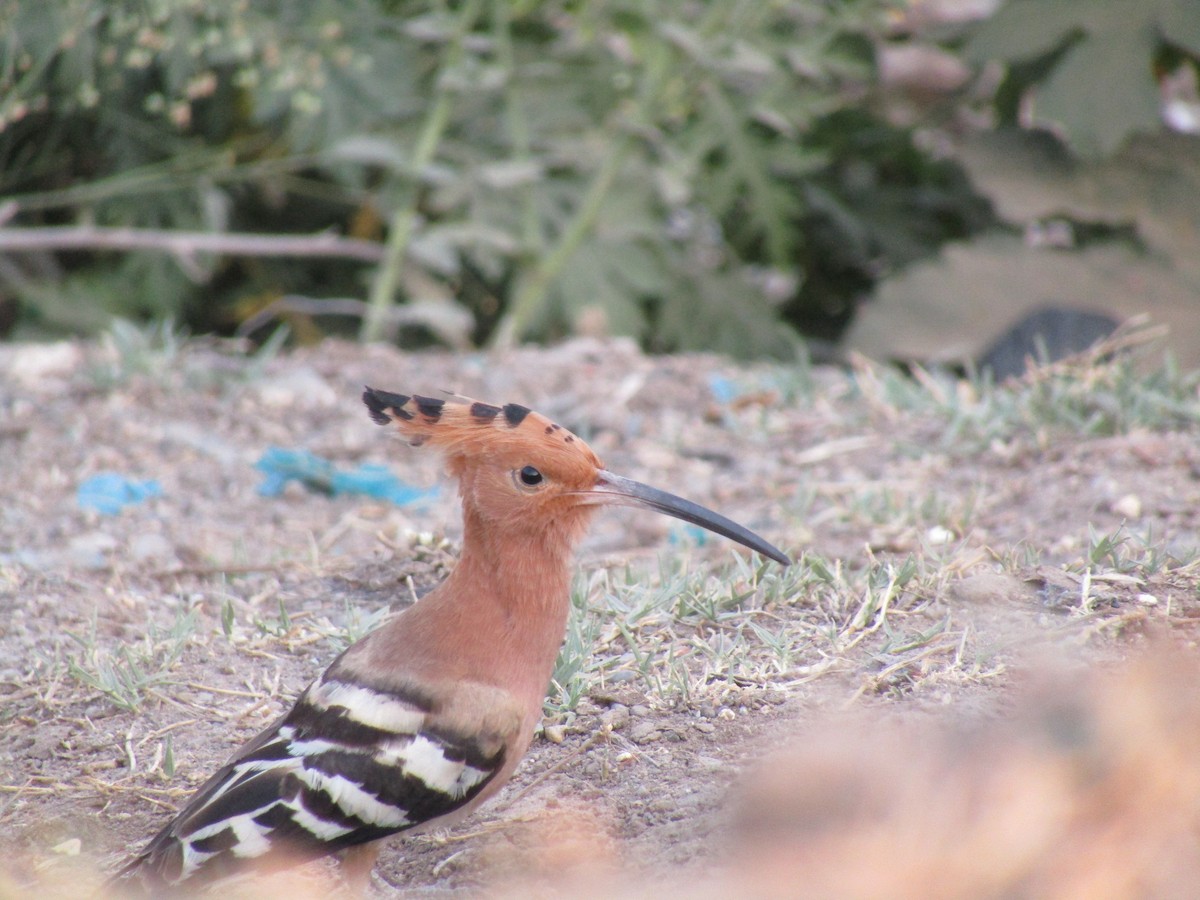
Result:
pixel 613 489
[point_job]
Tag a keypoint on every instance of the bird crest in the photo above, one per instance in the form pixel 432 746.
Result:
pixel 468 429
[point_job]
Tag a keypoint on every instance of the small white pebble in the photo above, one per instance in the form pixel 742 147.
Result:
pixel 554 733
pixel 69 847
pixel 1147 599
pixel 151 548
pixel 1128 507
pixel 727 714
pixel 1066 543
pixel 32 364
pixel 937 535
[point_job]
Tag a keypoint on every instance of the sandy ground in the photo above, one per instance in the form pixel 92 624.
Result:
pixel 217 605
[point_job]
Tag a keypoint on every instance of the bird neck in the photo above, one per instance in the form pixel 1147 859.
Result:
pixel 511 593
pixel 527 574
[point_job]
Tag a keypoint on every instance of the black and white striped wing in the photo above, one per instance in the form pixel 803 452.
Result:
pixel 348 764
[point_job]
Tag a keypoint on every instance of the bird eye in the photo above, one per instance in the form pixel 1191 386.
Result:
pixel 530 477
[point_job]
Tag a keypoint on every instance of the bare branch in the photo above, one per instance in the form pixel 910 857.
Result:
pixel 186 243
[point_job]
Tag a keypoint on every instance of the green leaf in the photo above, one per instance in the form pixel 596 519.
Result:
pixel 769 209
pixel 1024 29
pixel 1101 88
pixel 594 286
pixel 1179 24
pixel 951 308
pixel 1103 91
pixel 1152 184
pixel 723 312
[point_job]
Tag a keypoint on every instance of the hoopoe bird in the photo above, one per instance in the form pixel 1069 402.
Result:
pixel 426 717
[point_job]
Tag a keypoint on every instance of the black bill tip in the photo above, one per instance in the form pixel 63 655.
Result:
pixel 612 488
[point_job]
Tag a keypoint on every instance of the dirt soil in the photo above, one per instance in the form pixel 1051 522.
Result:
pixel 220 604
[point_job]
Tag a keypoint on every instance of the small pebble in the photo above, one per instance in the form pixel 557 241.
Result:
pixel 937 536
pixel 1147 599
pixel 662 805
pixel 32 364
pixel 89 551
pixel 69 847
pixel 151 547
pixel 301 387
pixel 615 717
pixel 1128 507
pixel 639 709
pixel 704 727
pixel 554 733
pixel 645 733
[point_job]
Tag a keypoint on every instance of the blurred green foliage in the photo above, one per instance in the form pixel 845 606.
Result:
pixel 697 175
pixel 1091 65
pixel 1097 199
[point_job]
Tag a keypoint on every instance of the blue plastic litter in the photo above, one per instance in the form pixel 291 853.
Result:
pixel 724 390
pixel 318 474
pixel 688 534
pixel 281 466
pixel 374 480
pixel 108 492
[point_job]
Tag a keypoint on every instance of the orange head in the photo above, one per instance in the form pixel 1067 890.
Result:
pixel 522 473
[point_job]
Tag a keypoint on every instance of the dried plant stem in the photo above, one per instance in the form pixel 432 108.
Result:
pixel 186 243
pixel 404 220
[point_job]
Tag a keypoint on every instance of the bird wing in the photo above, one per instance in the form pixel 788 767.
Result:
pixel 349 763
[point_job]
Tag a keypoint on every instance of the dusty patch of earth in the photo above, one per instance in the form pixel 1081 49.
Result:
pixel 212 606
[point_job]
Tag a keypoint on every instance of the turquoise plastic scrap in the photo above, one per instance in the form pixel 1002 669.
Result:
pixel 318 474
pixel 109 492
pixel 281 466
pixel 374 480
pixel 724 390
pixel 688 534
